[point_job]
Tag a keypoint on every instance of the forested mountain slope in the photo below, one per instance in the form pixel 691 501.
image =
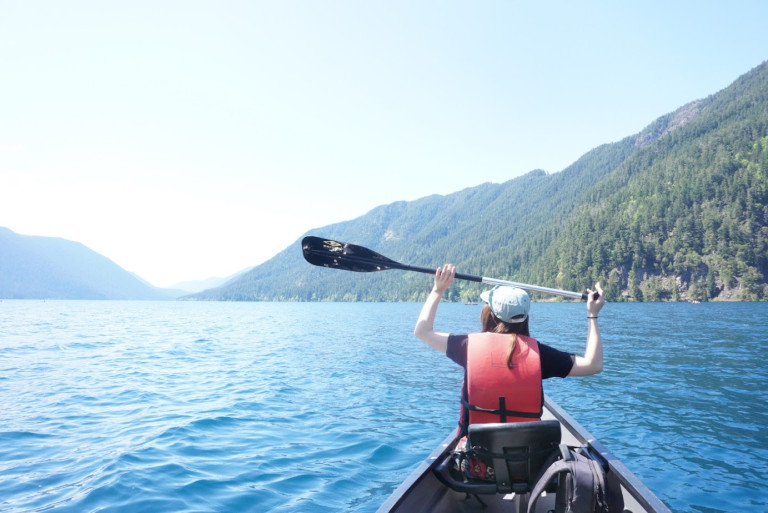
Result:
pixel 678 211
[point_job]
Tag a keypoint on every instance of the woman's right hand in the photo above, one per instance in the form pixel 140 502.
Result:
pixel 444 277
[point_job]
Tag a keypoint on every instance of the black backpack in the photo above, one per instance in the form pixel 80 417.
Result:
pixel 582 484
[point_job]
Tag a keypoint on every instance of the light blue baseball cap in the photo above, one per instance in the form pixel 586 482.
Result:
pixel 508 304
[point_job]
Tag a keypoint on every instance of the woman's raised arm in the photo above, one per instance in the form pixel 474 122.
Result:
pixel 592 361
pixel 425 325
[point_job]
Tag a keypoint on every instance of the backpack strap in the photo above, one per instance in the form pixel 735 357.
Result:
pixel 600 503
pixel 552 468
pixel 575 473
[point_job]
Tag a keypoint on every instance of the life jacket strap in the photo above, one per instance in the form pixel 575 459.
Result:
pixel 502 411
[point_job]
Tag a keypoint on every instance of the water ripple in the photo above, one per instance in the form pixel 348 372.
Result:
pixel 141 406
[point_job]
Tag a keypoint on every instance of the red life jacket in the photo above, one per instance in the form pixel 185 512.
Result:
pixel 496 392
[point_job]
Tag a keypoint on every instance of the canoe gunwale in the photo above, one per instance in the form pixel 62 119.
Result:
pixel 419 473
pixel 644 496
pixel 639 492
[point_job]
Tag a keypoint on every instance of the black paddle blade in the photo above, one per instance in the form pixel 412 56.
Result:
pixel 340 255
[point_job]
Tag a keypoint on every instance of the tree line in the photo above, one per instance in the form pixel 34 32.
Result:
pixel 676 212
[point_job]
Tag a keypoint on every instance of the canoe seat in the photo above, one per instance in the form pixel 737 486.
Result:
pixel 516 452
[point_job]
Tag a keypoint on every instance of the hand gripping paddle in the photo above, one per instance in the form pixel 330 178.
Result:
pixel 349 257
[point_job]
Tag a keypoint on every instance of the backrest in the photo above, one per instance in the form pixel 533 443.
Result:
pixel 516 451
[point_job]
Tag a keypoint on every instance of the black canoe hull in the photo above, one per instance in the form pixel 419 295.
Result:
pixel 423 492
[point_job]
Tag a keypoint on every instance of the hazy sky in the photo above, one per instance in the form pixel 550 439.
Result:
pixel 189 139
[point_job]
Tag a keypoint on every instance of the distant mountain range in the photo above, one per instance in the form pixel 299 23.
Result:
pixel 678 211
pixel 34 267
pixel 192 286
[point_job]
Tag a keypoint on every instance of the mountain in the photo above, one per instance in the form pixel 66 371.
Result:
pixel 52 268
pixel 208 283
pixel 199 285
pixel 678 211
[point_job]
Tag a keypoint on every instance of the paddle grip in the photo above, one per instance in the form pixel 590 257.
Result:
pixel 469 277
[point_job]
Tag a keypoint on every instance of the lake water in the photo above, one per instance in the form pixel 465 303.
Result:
pixel 319 407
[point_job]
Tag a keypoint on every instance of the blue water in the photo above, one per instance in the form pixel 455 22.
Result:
pixel 283 407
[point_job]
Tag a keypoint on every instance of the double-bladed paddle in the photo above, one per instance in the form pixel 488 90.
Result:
pixel 349 257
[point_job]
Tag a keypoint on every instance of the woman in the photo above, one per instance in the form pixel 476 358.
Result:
pixel 503 365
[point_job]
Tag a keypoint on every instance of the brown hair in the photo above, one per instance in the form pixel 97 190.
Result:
pixel 491 324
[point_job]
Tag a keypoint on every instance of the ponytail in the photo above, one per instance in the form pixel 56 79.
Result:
pixel 511 349
pixel 491 324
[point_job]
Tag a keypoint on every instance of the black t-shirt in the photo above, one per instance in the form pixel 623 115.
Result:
pixel 554 363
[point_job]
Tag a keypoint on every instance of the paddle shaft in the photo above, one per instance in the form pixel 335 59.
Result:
pixel 480 279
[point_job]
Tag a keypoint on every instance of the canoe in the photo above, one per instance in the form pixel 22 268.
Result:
pixel 425 491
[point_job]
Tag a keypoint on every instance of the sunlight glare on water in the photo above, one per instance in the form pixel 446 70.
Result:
pixel 177 406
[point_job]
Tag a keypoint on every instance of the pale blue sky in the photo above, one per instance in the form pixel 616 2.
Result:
pixel 188 139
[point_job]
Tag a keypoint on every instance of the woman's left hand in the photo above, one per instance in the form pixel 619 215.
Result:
pixel 594 305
